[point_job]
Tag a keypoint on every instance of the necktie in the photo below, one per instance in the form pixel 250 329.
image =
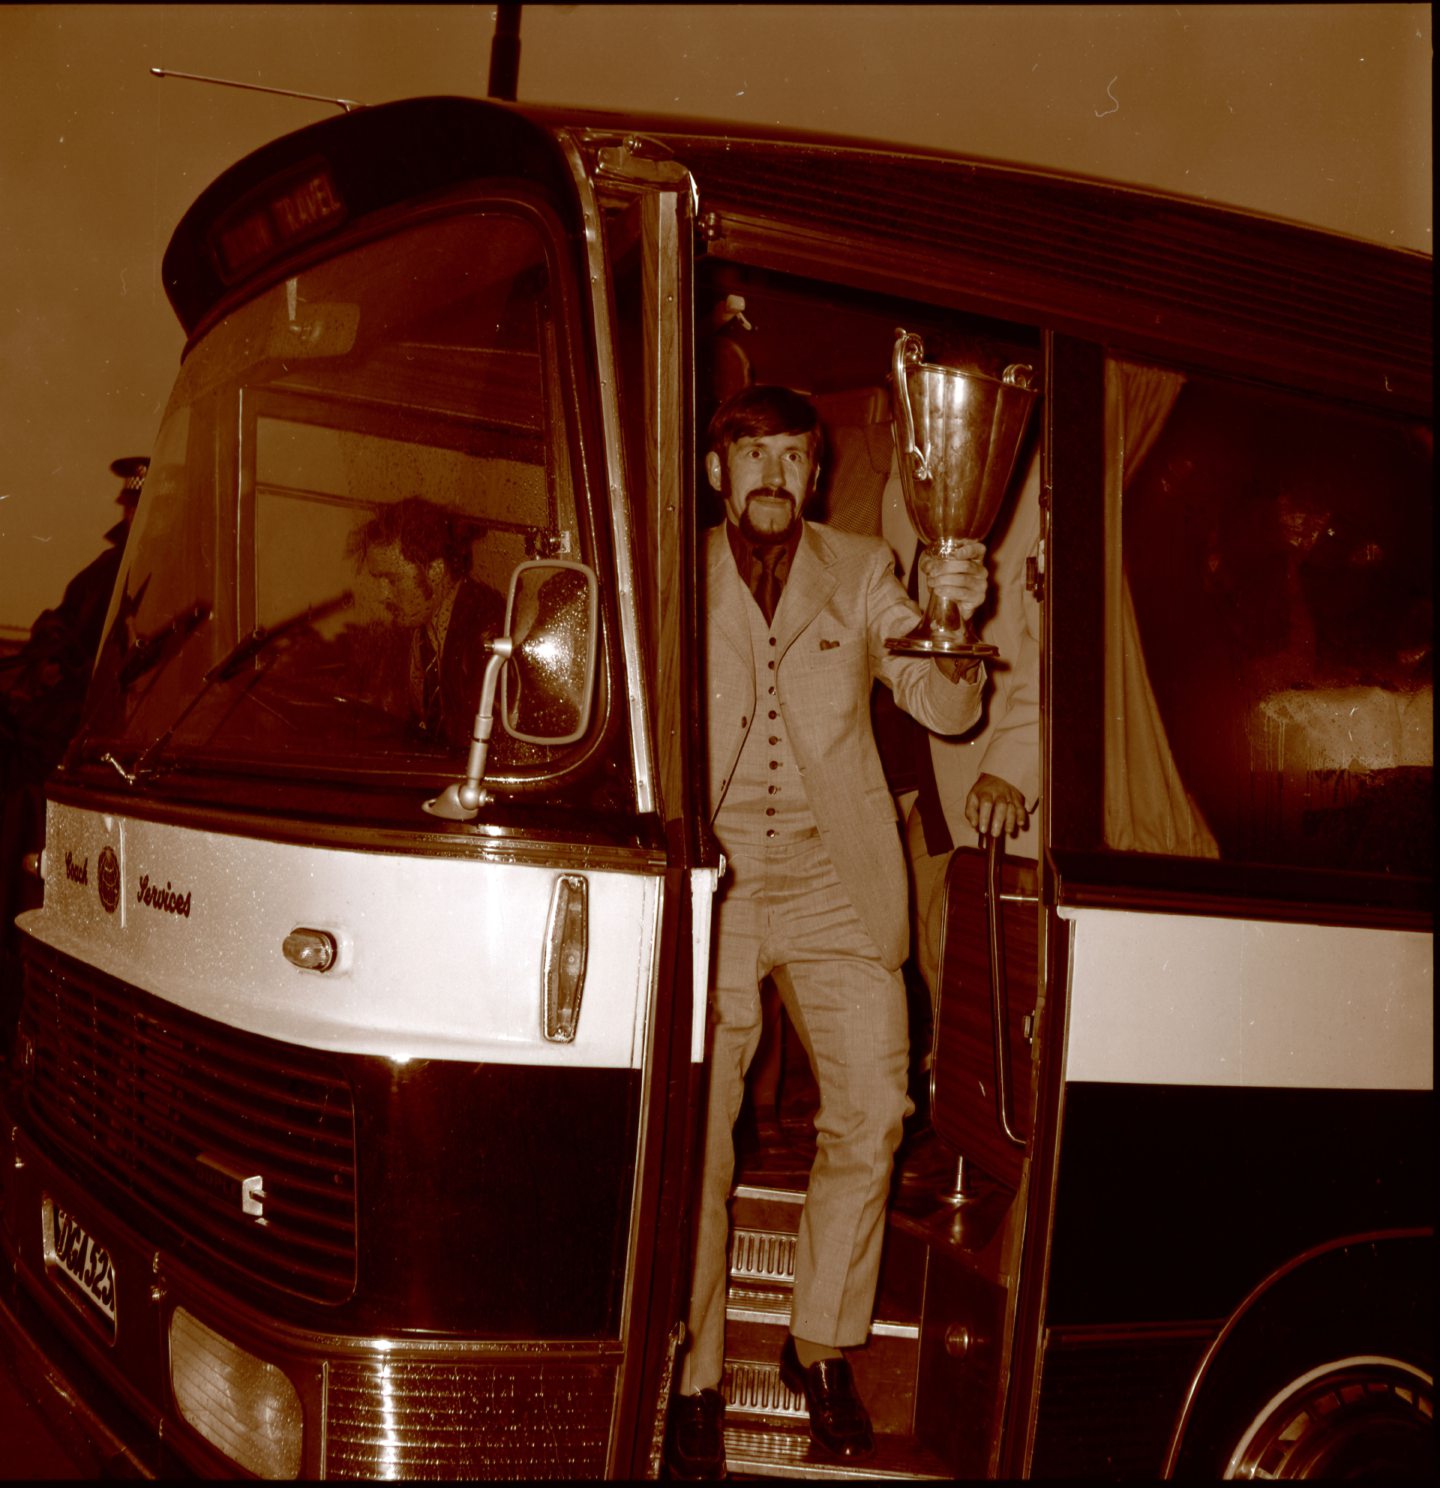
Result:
pixel 430 703
pixel 764 580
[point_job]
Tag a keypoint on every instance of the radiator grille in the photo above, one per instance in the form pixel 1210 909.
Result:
pixel 510 1420
pixel 135 1092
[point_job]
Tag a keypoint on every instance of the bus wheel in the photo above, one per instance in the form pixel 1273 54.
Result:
pixel 1365 1416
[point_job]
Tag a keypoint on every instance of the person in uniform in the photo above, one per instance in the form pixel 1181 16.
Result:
pixel 42 695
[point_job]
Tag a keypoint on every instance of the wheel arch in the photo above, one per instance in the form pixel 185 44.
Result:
pixel 1364 1293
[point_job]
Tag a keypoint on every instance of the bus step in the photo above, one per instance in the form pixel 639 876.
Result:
pixel 884 1369
pixel 763 1256
pixel 754 1451
pixel 764 1209
pixel 762 1259
pixel 750 1315
pixel 764 1221
pixel 754 1389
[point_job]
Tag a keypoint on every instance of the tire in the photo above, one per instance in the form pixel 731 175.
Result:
pixel 1363 1416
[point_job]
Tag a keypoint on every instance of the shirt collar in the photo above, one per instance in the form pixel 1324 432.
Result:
pixel 743 550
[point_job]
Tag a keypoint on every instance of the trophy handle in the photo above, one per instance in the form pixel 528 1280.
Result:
pixel 908 344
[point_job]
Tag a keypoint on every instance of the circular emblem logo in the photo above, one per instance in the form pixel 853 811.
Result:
pixel 107 879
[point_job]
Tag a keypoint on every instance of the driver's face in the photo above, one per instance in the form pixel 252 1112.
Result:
pixel 765 480
pixel 405 592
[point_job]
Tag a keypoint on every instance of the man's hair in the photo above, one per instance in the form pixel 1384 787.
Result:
pixel 763 409
pixel 421 530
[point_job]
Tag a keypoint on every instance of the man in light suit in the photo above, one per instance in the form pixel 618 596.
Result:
pixel 816 897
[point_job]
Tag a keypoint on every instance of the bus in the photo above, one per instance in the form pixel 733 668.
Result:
pixel 351 1104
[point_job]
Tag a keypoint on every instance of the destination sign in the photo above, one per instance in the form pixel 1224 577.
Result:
pixel 305 204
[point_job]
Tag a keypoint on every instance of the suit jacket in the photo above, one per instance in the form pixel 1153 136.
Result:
pixel 840 604
pixel 477 616
pixel 373 661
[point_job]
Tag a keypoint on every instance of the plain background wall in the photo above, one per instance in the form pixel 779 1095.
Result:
pixel 1318 113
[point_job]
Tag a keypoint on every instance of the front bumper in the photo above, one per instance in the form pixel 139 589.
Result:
pixel 369 1407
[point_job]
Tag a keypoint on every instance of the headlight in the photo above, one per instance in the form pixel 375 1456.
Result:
pixel 247 1408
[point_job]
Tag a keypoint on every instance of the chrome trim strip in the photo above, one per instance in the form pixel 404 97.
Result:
pixel 620 523
pixel 642 745
pixel 704 886
pixel 779 1317
pixel 779 1195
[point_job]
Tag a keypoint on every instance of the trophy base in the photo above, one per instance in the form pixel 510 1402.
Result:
pixel 953 646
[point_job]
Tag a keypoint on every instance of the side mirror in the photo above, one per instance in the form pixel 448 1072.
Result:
pixel 548 657
pixel 549 681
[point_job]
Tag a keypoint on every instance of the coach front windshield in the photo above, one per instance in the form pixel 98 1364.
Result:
pixel 350 469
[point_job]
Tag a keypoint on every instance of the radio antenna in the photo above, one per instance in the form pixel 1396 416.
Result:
pixel 194 77
pixel 505 53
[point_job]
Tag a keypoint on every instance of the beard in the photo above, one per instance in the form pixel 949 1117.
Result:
pixel 764 537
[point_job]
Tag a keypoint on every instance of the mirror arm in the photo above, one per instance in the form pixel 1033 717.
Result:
pixel 463 800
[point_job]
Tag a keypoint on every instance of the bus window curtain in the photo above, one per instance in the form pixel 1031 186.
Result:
pixel 1147 808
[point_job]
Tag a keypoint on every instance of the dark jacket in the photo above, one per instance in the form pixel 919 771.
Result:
pixel 477 617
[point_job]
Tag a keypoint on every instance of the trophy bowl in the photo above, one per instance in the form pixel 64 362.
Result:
pixel 957 434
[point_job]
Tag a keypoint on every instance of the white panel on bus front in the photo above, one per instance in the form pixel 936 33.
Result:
pixel 1188 1000
pixel 439 958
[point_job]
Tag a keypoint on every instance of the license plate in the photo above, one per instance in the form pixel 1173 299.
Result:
pixel 72 1252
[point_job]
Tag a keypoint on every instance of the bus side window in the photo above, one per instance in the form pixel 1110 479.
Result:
pixel 1278 554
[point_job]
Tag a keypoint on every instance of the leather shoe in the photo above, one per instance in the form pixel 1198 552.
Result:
pixel 695 1442
pixel 838 1419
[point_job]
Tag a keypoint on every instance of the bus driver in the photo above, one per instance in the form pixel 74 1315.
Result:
pixel 415 556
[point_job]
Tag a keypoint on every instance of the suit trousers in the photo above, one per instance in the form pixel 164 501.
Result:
pixel 785 914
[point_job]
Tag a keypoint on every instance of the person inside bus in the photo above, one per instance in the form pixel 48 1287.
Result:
pixel 987 782
pixel 428 653
pixel 816 894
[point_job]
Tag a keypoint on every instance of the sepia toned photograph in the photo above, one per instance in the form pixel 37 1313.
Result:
pixel 716 728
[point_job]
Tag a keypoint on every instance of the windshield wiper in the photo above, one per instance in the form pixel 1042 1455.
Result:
pixel 147 654
pixel 262 636
pixel 161 645
pixel 245 649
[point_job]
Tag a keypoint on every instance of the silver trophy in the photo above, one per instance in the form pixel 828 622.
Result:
pixel 957 434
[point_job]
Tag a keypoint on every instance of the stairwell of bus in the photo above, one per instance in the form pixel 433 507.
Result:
pixel 931 1397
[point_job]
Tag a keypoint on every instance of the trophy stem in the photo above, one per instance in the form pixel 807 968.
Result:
pixel 944 629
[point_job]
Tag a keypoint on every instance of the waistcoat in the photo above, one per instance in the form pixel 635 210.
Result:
pixel 765 804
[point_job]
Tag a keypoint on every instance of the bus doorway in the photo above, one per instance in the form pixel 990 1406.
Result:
pixel 1157 995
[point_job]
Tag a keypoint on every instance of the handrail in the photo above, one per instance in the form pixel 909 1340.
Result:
pixel 994 849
